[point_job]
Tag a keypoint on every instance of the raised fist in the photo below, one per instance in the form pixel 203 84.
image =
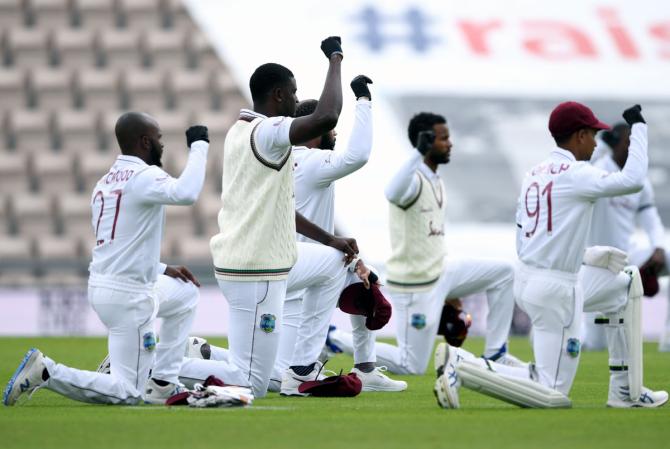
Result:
pixel 425 141
pixel 331 46
pixel 633 115
pixel 360 86
pixel 195 133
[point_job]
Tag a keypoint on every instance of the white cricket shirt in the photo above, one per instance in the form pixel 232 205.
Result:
pixel 127 214
pixel 555 206
pixel 614 218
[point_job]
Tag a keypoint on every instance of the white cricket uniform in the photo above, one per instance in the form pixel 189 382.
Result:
pixel 315 173
pixel 554 213
pixel 613 224
pixel 256 305
pixel 126 287
pixel 417 303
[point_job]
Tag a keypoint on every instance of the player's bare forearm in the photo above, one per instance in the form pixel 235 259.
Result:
pixel 327 112
pixel 347 245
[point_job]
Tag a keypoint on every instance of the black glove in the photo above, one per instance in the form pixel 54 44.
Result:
pixel 425 141
pixel 360 86
pixel 332 45
pixel 197 132
pixel 633 115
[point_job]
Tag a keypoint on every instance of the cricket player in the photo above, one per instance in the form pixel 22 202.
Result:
pixel 554 215
pixel 128 212
pixel 317 167
pixel 419 276
pixel 256 247
pixel 614 221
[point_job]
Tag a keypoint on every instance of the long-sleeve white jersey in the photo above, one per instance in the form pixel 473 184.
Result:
pixel 316 170
pixel 127 214
pixel 614 218
pixel 555 206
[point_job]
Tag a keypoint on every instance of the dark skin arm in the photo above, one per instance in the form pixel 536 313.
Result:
pixel 656 262
pixel 327 112
pixel 310 230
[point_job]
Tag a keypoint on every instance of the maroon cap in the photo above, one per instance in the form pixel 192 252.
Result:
pixel 347 385
pixel 568 117
pixel 371 303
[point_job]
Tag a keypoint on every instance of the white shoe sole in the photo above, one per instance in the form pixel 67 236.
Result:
pixel 440 357
pixel 446 397
pixel 622 404
pixel 381 388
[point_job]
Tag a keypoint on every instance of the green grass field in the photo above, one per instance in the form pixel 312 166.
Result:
pixel 376 420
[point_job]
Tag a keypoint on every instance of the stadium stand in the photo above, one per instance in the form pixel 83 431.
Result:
pixel 68 68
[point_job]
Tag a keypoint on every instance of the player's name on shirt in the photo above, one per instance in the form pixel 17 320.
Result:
pixel 550 169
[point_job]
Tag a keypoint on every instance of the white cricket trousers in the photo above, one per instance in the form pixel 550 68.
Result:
pixel 418 314
pixel 553 301
pixel 255 314
pixel 130 317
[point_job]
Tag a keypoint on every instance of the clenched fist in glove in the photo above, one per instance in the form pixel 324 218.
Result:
pixel 633 115
pixel 607 257
pixel 360 87
pixel 332 46
pixel 195 133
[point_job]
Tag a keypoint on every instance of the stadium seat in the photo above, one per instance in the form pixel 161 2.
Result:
pixel 190 89
pixel 173 128
pixel 165 49
pixel 12 89
pixel 30 129
pixel 16 258
pixel 176 16
pixel 77 130
pixel 64 251
pixel 6 220
pixel 140 14
pixel 98 90
pixel 11 14
pixel 51 88
pixel 50 14
pixel 53 172
pixel 14 174
pixel 107 124
pixel 218 123
pixel 74 212
pixel 92 165
pixel 202 53
pixel 75 47
pixel 144 90
pixel 119 48
pixel 95 14
pixel 28 47
pixel 33 214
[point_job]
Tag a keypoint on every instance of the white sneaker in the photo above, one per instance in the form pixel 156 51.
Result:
pixel 290 381
pixel 105 366
pixel 26 378
pixel 447 383
pixel 376 380
pixel 198 348
pixel 157 394
pixel 648 398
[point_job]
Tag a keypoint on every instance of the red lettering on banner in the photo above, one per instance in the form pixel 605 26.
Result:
pixel 476 34
pixel 622 39
pixel 557 40
pixel 661 31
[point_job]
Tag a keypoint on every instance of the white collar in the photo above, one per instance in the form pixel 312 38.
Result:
pixel 129 158
pixel 564 153
pixel 427 172
pixel 250 113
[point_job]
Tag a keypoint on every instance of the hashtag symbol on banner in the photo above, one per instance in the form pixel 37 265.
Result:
pixel 376 35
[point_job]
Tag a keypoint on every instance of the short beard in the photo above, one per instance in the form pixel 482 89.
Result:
pixel 438 159
pixel 155 155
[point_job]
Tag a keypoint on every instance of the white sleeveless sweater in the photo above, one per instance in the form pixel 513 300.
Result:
pixel 256 239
